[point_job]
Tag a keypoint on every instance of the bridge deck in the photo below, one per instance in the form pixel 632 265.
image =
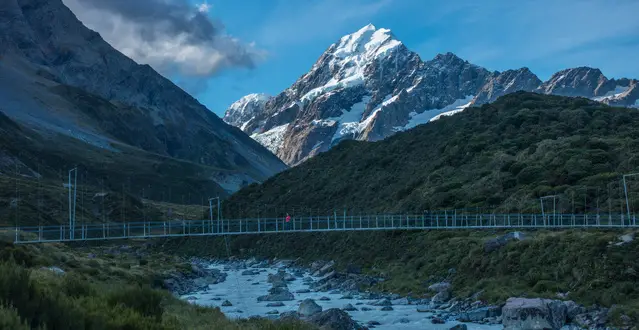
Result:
pixel 182 228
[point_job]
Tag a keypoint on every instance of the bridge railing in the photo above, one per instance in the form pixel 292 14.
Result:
pixel 335 222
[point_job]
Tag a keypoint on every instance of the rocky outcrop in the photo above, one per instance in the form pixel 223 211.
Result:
pixel 522 313
pixel 506 82
pixel 198 279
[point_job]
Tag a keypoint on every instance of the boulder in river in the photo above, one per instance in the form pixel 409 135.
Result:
pixel 249 272
pixel 324 298
pixel 303 291
pixel 366 309
pixel 334 319
pixel 437 320
pixel 386 309
pixel 309 307
pixel 478 314
pixel 459 327
pixel 523 313
pixel 349 308
pixel 382 302
pixel 277 294
pixel 226 303
pixel 273 312
pixel 275 304
pixel 289 316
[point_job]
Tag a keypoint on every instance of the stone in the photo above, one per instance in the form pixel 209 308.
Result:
pixel 441 297
pixel 289 316
pixel 383 302
pixel 437 320
pixel 346 296
pixel 324 298
pixel 249 272
pixel 216 298
pixel 349 308
pixel 275 304
pixel 403 320
pixel 497 243
pixel 573 309
pixel 523 313
pixel 386 309
pixel 277 294
pixel 226 303
pixel 459 327
pixel 255 283
pixel 288 277
pixel 373 323
pixel 309 307
pixel 303 291
pixel 401 301
pixel 334 319
pixel 273 312
pixel 424 309
pixel 365 309
pixel 479 314
pixel 439 287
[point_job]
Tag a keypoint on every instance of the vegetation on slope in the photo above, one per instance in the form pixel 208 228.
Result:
pixel 503 155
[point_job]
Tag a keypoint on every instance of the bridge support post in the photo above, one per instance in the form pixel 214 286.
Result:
pixel 103 231
pixel 40 233
pixel 259 228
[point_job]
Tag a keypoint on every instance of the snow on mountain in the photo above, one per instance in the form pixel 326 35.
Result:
pixel 245 109
pixel 368 86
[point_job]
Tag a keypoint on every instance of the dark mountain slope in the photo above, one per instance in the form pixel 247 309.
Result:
pixel 506 155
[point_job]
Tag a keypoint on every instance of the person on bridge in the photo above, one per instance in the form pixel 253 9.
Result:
pixel 288 220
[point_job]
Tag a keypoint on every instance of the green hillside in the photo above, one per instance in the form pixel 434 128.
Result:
pixel 502 156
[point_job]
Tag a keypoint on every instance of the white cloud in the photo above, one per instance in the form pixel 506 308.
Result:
pixel 203 7
pixel 172 37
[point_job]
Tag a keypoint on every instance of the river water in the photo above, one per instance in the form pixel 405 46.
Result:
pixel 242 291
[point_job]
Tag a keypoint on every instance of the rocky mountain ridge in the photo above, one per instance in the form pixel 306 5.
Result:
pixel 62 79
pixel 369 85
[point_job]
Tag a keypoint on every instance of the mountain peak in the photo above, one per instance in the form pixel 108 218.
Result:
pixel 369 41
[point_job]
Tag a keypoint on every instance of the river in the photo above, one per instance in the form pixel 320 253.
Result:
pixel 242 291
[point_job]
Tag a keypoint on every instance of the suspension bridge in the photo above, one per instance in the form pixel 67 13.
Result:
pixel 330 223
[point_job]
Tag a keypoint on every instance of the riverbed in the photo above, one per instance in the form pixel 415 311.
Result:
pixel 242 292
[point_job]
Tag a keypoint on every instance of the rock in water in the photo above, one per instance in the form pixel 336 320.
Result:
pixel 479 314
pixel 275 304
pixel 459 327
pixel 523 313
pixel 437 320
pixel 349 308
pixel 309 307
pixel 386 309
pixel 334 319
pixel 277 294
pixel 226 303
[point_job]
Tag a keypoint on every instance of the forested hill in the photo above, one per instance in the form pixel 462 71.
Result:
pixel 503 155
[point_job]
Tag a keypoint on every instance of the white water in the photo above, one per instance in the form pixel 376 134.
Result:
pixel 238 289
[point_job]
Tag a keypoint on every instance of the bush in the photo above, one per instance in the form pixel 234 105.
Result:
pixel 10 320
pixel 144 300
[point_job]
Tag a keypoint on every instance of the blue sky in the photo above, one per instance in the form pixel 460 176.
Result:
pixel 289 36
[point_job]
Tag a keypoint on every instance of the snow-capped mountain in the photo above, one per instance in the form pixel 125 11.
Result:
pixel 368 86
